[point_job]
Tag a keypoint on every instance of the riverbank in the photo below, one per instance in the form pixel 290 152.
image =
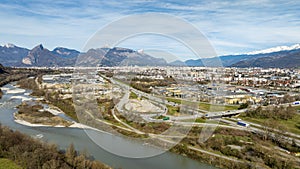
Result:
pixel 55 111
pixel 74 125
pixel 35 113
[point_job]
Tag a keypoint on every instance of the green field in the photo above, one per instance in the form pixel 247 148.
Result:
pixel 292 125
pixel 178 101
pixel 215 107
pixel 200 120
pixel 207 106
pixel 133 95
pixel 8 164
pixel 173 111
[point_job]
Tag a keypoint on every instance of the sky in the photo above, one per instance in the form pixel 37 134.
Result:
pixel 230 26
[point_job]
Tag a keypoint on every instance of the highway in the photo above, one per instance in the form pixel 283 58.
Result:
pixel 255 128
pixel 119 107
pixel 197 112
pixel 209 115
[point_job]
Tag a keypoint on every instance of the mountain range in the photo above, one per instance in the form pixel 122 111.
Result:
pixel 11 55
pixel 279 57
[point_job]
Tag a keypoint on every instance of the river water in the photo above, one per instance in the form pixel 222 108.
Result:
pixel 63 137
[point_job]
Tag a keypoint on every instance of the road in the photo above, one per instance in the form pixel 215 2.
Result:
pixel 198 114
pixel 197 111
pixel 201 150
pixel 119 107
pixel 253 128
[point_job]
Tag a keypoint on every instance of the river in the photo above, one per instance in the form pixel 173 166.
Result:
pixel 63 137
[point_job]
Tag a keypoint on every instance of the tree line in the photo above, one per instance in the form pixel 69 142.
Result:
pixel 273 112
pixel 30 153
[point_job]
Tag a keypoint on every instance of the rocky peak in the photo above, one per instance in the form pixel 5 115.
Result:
pixel 38 47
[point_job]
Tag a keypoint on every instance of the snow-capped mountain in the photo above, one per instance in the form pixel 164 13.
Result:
pixel 278 57
pixel 275 49
pixel 241 60
pixel 11 55
pixel 8 45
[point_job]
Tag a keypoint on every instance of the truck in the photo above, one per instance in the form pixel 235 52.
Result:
pixel 296 103
pixel 241 123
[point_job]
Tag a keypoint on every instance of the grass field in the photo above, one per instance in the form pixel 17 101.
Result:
pixel 133 96
pixel 8 164
pixel 208 106
pixel 215 107
pixel 292 125
pixel 173 111
pixel 178 101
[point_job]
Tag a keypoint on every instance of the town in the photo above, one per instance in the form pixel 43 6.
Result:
pixel 199 112
pixel 145 102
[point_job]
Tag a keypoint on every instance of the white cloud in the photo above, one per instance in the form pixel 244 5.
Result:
pixel 231 26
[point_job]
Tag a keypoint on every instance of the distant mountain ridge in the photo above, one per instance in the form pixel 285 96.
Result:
pixel 40 56
pixel 281 59
pixel 227 60
pixel 281 56
pixel 275 49
pixel 11 55
pixel 117 57
pixel 65 52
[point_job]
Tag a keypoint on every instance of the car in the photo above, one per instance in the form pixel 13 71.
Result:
pixel 166 118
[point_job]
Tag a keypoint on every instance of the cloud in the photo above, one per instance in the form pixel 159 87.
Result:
pixel 231 26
